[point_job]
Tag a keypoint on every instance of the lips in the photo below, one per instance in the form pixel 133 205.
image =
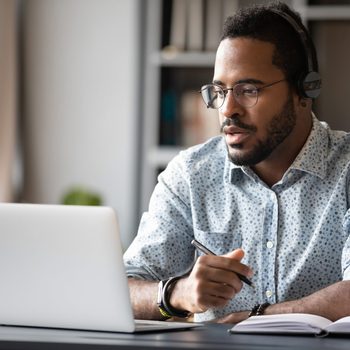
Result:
pixel 235 135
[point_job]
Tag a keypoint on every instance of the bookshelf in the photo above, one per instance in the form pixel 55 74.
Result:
pixel 172 74
pixel 168 74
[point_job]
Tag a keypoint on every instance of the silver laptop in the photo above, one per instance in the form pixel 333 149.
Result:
pixel 62 267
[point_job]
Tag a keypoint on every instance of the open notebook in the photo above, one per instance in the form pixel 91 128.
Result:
pixel 297 323
pixel 62 267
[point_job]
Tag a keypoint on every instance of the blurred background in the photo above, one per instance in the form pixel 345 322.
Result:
pixel 98 95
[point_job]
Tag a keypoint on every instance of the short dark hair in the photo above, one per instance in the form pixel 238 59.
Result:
pixel 260 22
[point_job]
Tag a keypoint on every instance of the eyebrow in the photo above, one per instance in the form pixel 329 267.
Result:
pixel 248 80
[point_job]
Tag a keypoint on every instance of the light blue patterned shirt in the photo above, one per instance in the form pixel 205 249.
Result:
pixel 295 234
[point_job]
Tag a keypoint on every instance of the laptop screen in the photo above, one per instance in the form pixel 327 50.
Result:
pixel 61 266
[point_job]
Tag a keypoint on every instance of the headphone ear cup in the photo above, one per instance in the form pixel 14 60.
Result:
pixel 310 85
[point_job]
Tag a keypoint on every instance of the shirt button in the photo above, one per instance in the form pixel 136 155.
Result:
pixel 269 244
pixel 268 293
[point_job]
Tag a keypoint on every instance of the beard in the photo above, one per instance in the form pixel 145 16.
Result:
pixel 278 129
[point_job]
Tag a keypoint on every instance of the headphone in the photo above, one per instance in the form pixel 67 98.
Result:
pixel 309 84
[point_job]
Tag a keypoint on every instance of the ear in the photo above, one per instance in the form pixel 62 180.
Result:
pixel 304 102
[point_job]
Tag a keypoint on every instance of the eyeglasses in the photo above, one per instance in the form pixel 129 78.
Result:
pixel 245 94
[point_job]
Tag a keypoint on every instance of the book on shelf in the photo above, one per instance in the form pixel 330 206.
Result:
pixel 213 24
pixel 178 25
pixel 186 28
pixel 297 323
pixel 195 25
pixel 198 123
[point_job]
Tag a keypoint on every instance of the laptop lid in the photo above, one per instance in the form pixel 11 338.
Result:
pixel 62 267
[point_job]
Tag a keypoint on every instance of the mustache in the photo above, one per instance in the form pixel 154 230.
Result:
pixel 235 121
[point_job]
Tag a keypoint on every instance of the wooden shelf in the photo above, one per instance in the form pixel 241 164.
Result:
pixel 183 59
pixel 327 12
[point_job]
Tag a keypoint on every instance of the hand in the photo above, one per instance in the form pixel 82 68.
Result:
pixel 213 282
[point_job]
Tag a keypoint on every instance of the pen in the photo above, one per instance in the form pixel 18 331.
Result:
pixel 205 250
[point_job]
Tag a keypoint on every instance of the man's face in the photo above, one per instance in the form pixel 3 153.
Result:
pixel 253 134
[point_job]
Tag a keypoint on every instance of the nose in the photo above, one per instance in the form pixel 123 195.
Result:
pixel 230 106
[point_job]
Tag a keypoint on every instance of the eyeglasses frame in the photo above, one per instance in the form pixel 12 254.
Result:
pixel 226 90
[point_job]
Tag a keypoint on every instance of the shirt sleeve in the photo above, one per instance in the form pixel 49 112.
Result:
pixel 346 248
pixel 162 247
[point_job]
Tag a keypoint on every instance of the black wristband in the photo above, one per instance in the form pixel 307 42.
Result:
pixel 258 309
pixel 160 303
pixel 253 310
pixel 164 291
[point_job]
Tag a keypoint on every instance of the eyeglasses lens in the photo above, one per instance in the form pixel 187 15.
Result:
pixel 214 96
pixel 246 94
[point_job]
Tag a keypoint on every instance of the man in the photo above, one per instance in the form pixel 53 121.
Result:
pixel 269 197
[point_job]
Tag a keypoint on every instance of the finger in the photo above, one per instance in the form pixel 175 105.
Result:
pixel 237 254
pixel 215 294
pixel 224 290
pixel 237 265
pixel 228 264
pixel 222 265
pixel 219 276
pixel 206 295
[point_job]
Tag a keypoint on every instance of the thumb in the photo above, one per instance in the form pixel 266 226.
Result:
pixel 236 254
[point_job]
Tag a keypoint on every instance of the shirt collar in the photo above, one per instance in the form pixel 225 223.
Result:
pixel 311 158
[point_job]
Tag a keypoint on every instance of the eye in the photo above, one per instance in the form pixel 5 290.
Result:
pixel 249 91
pixel 216 90
pixel 246 90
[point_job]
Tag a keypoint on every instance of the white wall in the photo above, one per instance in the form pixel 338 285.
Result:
pixel 80 69
pixel 8 98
